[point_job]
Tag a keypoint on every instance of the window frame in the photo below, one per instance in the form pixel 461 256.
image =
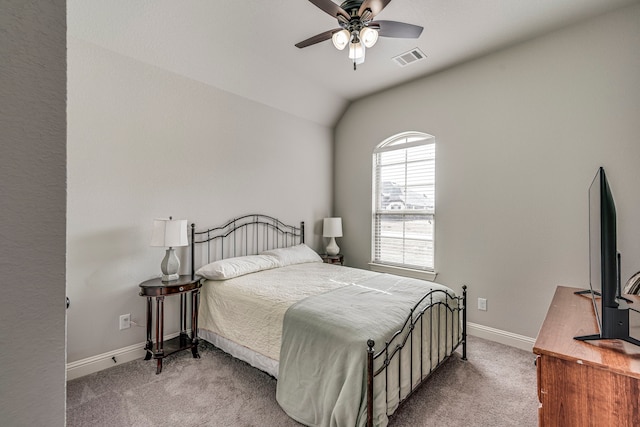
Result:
pixel 411 139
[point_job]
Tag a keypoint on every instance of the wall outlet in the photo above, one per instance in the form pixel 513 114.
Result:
pixel 482 304
pixel 125 321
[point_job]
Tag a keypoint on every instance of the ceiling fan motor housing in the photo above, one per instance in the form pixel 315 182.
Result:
pixel 356 22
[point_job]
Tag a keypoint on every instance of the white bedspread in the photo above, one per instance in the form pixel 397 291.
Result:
pixel 249 310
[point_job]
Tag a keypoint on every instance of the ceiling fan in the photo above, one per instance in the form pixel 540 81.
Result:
pixel 357 27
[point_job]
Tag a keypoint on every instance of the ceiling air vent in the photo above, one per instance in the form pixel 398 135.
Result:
pixel 407 58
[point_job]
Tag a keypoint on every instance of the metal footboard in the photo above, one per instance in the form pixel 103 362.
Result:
pixel 403 340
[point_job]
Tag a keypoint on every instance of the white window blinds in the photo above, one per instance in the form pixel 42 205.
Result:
pixel 404 201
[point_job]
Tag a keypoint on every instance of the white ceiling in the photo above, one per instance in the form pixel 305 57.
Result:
pixel 247 46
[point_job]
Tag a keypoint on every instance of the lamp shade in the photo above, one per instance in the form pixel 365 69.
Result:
pixel 169 232
pixel 332 227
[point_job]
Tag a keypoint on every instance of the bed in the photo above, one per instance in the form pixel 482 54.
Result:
pixel 346 345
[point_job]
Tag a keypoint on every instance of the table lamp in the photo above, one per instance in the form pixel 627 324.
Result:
pixel 169 233
pixel 332 228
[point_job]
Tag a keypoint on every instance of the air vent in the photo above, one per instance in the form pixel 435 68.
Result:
pixel 408 58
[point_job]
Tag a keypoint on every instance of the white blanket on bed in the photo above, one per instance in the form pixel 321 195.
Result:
pixel 249 310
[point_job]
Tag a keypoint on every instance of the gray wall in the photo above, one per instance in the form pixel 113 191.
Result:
pixel 520 134
pixel 32 200
pixel 145 143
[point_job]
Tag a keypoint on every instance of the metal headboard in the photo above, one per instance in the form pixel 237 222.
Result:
pixel 245 235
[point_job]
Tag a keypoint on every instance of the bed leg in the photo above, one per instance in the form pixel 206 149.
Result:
pixel 464 322
pixel 370 344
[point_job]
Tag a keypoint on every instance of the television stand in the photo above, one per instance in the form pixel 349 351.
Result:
pixel 596 337
pixel 616 328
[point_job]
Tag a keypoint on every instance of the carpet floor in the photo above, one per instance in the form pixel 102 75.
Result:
pixel 496 386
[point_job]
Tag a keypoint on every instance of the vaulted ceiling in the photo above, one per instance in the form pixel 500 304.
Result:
pixel 247 46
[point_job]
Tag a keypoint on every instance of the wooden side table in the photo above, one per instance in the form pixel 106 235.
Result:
pixel 156 288
pixel 332 259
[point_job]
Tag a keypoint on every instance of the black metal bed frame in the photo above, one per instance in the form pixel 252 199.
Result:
pixel 251 234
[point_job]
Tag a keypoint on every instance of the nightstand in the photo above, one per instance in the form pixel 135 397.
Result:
pixel 156 288
pixel 332 259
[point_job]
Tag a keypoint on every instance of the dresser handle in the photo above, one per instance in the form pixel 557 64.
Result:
pixel 181 288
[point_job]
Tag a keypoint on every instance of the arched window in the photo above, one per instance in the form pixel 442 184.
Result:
pixel 404 201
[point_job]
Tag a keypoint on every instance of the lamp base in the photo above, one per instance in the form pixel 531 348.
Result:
pixel 332 247
pixel 170 266
pixel 170 277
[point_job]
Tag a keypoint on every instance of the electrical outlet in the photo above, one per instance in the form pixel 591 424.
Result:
pixel 482 304
pixel 125 321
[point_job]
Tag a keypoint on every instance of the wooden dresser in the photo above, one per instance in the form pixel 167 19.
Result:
pixel 594 383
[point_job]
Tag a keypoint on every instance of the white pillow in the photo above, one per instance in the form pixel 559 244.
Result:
pixel 294 255
pixel 238 266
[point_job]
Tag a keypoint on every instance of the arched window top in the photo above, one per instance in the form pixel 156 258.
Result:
pixel 404 140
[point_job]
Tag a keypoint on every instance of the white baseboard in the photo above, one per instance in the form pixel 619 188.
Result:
pixel 102 361
pixel 500 336
pixel 92 364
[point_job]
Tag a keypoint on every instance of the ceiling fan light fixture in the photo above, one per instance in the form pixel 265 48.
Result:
pixel 340 39
pixel 369 36
pixel 357 27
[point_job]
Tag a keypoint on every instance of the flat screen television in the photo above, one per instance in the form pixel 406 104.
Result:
pixel 612 318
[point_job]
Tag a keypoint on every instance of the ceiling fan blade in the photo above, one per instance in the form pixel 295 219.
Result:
pixel 376 6
pixel 317 38
pixel 397 29
pixel 331 8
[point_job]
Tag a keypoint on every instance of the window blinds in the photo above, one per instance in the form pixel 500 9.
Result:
pixel 404 202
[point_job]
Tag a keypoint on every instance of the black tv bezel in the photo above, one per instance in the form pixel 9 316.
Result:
pixel 608 249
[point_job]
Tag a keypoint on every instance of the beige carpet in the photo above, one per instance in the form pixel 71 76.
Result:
pixel 495 387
